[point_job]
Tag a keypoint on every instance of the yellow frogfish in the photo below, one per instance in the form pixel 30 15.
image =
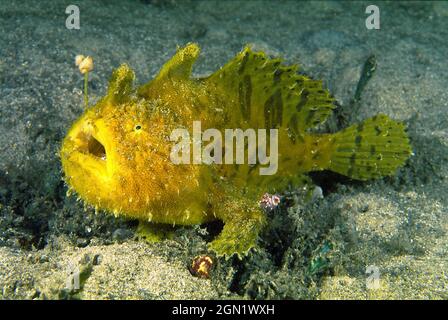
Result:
pixel 118 155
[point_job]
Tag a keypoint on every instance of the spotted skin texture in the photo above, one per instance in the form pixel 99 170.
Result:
pixel 116 156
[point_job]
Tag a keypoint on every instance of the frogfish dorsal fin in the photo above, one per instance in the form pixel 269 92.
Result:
pixel 266 94
pixel 178 67
pixel 120 85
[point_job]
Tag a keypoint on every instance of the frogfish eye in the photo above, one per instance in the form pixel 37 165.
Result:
pixel 138 127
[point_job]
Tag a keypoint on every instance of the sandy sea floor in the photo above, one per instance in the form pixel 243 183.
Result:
pixel 396 226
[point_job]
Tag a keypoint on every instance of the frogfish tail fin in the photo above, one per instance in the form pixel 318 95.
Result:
pixel 374 148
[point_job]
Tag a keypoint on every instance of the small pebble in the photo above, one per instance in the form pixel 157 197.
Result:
pixel 97 259
pixel 82 242
pixel 364 208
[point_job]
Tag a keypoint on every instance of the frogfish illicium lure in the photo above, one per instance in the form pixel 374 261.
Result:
pixel 116 156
